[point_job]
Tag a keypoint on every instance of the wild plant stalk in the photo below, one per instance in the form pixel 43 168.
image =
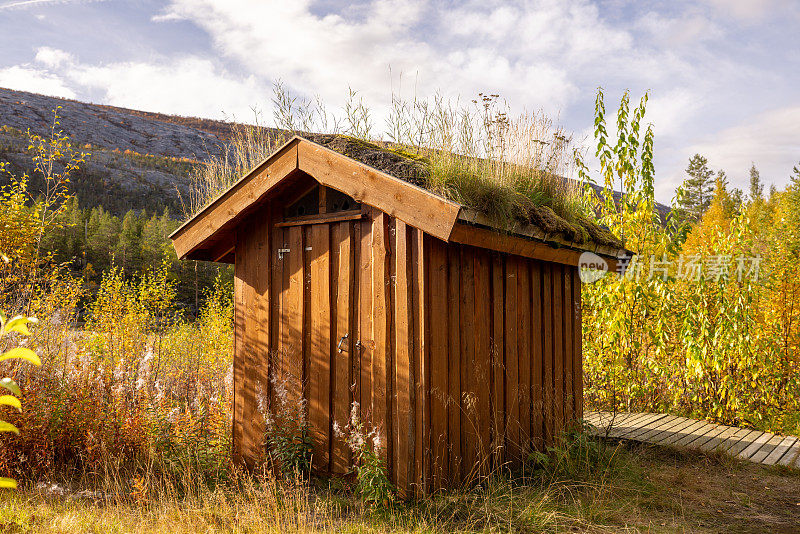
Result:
pixel 501 165
pixel 249 145
pixel 26 218
pixel 479 155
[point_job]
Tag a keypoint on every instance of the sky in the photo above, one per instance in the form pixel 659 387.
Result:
pixel 723 75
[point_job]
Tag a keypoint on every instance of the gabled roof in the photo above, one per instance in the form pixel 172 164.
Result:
pixel 384 179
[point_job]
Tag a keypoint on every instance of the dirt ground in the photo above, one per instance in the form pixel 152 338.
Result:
pixel 715 493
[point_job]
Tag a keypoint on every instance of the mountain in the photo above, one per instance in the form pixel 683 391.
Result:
pixel 139 160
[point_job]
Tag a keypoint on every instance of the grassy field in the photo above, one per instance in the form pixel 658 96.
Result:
pixel 641 489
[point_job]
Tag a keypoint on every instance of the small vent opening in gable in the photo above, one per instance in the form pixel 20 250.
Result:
pixel 308 204
pixel 321 200
pixel 336 201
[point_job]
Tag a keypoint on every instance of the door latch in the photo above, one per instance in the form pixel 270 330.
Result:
pixel 282 251
pixel 342 340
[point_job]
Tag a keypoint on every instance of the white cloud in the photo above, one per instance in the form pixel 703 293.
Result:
pixel 27 78
pixel 52 57
pixel 671 111
pixel 185 86
pixel 528 51
pixel 771 140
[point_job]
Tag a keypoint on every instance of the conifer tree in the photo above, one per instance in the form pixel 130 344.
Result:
pixel 694 195
pixel 129 245
pixel 756 187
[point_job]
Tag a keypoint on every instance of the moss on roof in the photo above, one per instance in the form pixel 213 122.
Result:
pixel 411 167
pixel 394 162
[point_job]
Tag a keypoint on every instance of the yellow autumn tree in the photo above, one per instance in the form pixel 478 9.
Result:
pixel 716 222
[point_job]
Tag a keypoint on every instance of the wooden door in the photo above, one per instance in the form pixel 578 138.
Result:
pixel 316 320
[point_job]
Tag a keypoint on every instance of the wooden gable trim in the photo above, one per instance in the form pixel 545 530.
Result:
pixel 413 205
pixel 235 202
pixel 409 203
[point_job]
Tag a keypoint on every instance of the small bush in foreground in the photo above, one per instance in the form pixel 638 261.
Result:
pixel 372 479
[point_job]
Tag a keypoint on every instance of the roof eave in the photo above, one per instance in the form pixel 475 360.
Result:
pixel 475 218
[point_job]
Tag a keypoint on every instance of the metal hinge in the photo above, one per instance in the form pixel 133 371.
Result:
pixel 282 251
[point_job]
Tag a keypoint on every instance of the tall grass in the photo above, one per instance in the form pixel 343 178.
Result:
pixel 249 145
pixel 137 387
pixel 480 155
pixel 502 165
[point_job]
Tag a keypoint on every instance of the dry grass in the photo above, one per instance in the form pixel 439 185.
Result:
pixel 247 147
pixel 477 154
pixel 644 489
pixel 501 165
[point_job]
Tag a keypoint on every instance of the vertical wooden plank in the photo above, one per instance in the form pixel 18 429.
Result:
pixel 307 313
pixel 391 395
pixel 365 343
pixel 344 343
pixel 380 328
pixel 547 351
pixel 558 347
pixel 437 269
pixel 284 347
pixel 294 309
pixel 569 401
pixel 403 420
pixel 483 357
pixel 276 290
pixel 454 361
pixel 251 358
pixel 537 363
pixel 577 340
pixel 498 364
pixel 512 362
pixel 241 296
pixel 355 315
pixel 422 368
pixel 333 295
pixel 262 285
pixel 319 408
pixel 469 362
pixel 524 349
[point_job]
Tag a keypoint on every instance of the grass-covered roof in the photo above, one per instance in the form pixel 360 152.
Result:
pixel 540 219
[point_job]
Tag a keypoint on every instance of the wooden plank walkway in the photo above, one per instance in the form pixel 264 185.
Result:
pixel 662 429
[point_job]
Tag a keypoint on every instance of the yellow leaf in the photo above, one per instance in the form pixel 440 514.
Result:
pixel 10 400
pixel 22 353
pixel 8 483
pixel 8 427
pixel 20 324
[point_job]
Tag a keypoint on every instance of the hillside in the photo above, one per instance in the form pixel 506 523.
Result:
pixel 139 160
pixel 115 128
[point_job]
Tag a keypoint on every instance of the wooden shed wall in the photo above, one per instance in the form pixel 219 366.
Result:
pixel 462 358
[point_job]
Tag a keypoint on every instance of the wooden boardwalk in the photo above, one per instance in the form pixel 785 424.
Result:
pixel 661 429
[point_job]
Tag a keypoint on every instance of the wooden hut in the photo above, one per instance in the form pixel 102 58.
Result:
pixel 460 343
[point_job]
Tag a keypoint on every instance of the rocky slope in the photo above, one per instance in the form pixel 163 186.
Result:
pixel 139 160
pixel 114 128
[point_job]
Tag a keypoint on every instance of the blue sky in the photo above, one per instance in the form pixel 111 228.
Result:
pixel 724 75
